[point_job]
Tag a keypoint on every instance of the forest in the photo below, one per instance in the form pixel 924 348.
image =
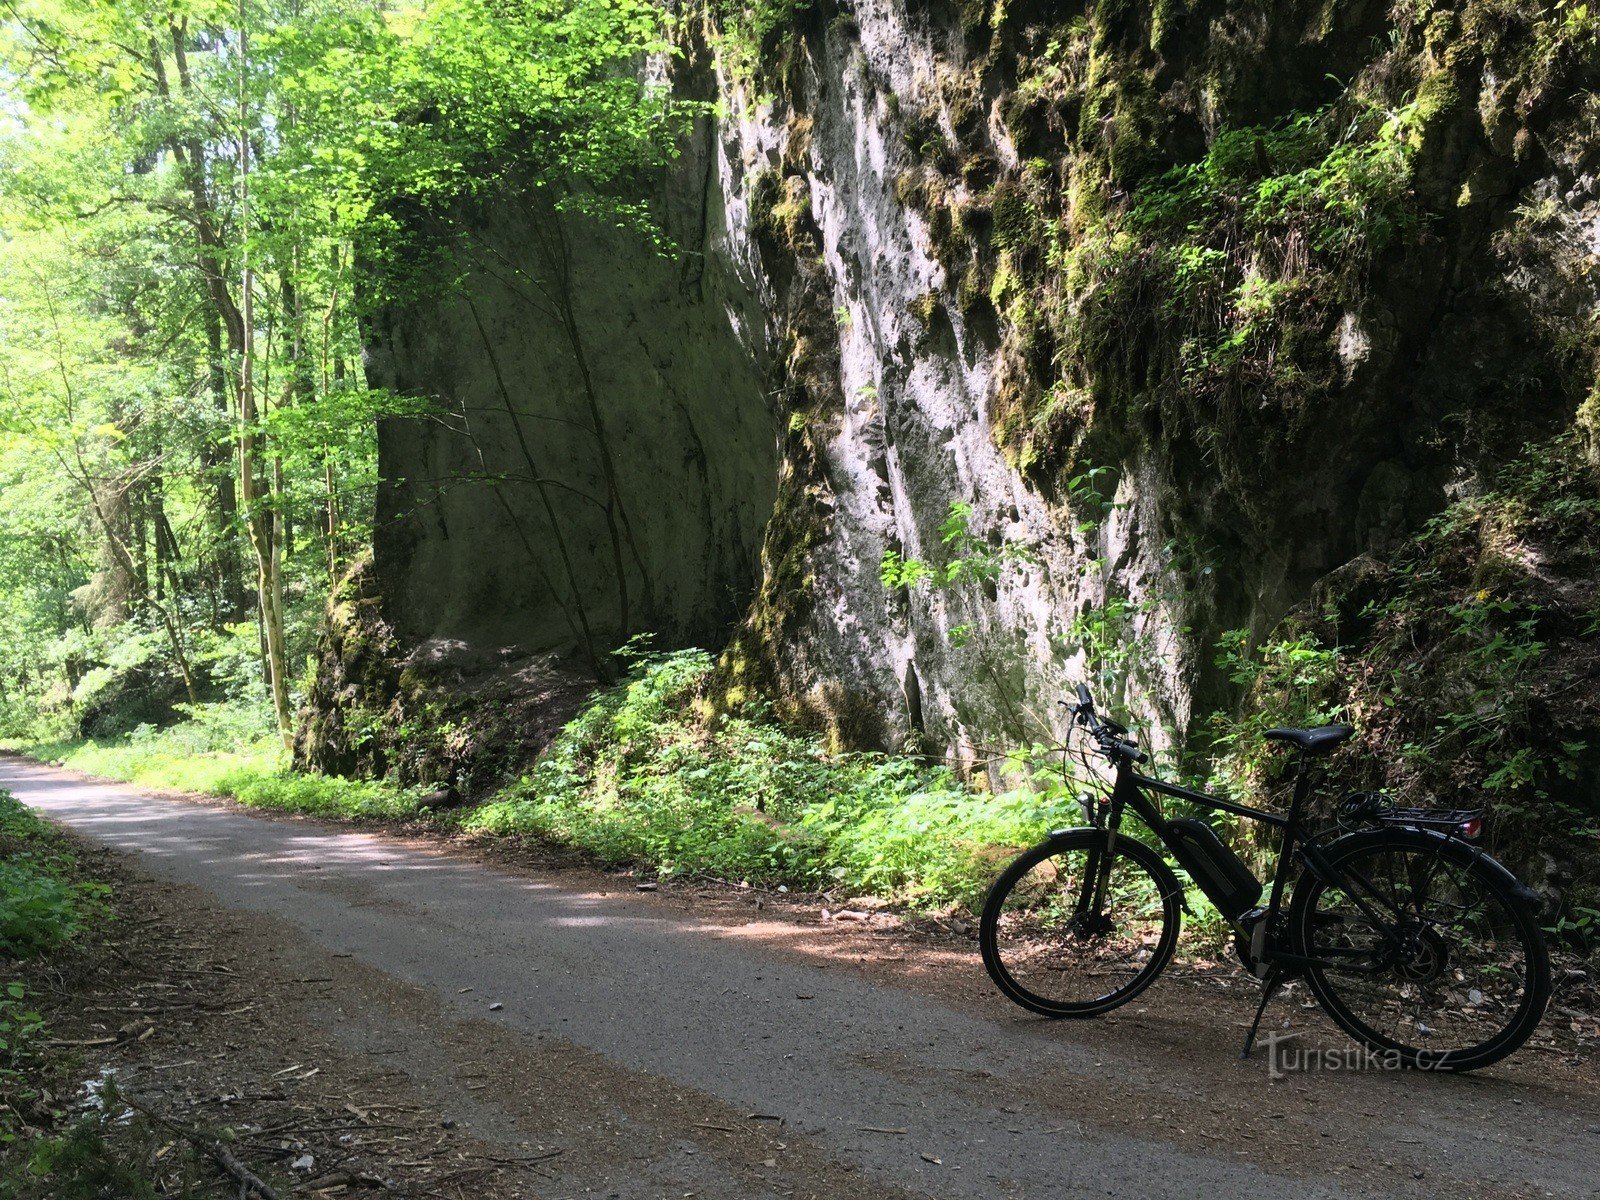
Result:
pixel 706 444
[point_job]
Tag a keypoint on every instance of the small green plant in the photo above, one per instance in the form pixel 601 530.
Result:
pixel 968 557
pixel 230 750
pixel 651 774
pixel 110 1151
pixel 43 906
pixel 21 1034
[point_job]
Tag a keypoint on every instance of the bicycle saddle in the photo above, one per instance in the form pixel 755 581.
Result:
pixel 1311 741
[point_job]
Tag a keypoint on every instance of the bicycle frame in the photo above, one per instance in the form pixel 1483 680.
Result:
pixel 1298 844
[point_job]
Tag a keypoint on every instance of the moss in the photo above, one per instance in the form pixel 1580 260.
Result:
pixel 974 17
pixel 926 307
pixel 911 190
pixel 797 145
pixel 849 720
pixel 972 301
pixel 962 103
pixel 1134 135
pixel 1167 22
pixel 950 246
pixel 979 171
pixel 926 140
pixel 1023 115
pixel 1588 425
pixel 1005 285
pixel 755 660
pixel 1016 224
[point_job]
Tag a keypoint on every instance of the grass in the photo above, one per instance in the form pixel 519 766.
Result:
pixel 222 751
pixel 45 905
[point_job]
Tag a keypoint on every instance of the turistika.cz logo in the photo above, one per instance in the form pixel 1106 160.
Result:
pixel 1285 1058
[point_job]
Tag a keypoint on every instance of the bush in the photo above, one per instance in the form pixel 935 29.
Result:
pixel 649 774
pixel 42 905
pixel 21 1031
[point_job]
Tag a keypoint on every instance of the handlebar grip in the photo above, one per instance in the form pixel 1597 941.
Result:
pixel 1130 751
pixel 1083 696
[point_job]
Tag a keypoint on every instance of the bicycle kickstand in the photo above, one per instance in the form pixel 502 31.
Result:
pixel 1269 988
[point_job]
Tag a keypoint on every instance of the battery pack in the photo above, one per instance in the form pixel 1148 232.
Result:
pixel 1216 870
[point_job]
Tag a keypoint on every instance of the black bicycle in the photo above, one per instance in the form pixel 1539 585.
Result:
pixel 1412 938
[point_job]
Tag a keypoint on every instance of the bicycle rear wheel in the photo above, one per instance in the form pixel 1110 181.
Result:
pixel 1047 947
pixel 1430 952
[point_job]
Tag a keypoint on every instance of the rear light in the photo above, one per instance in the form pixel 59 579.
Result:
pixel 1471 829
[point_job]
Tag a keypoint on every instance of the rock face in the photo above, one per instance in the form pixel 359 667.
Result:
pixel 1182 305
pixel 602 461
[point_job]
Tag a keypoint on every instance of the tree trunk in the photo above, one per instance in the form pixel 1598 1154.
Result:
pixel 261 523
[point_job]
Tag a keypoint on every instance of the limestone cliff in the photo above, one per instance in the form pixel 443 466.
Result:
pixel 1190 302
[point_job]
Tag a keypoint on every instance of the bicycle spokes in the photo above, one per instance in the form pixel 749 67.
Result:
pixel 1076 926
pixel 1444 974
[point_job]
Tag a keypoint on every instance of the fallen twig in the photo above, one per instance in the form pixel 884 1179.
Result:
pixel 249 1183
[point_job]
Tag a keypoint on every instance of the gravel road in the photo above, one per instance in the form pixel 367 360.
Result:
pixel 857 1084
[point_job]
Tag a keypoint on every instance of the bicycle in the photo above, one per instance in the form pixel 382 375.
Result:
pixel 1413 939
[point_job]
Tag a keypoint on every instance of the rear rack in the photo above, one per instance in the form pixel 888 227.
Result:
pixel 1452 820
pixel 1375 807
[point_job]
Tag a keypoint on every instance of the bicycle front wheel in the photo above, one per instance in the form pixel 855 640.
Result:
pixel 1428 950
pixel 1066 933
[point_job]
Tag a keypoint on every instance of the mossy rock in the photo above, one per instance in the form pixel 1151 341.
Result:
pixel 1016 223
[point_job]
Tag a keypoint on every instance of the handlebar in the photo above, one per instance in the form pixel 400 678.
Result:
pixel 1107 734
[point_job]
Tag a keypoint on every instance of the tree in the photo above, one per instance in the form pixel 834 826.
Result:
pixel 210 175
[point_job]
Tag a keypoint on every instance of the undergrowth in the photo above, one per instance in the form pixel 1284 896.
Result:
pixel 48 903
pixel 1468 665
pixel 652 773
pixel 45 905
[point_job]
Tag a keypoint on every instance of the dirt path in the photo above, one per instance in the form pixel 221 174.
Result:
pixel 660 1045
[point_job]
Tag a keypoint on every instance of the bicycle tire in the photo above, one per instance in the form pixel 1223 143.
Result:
pixel 1484 873
pixel 989 932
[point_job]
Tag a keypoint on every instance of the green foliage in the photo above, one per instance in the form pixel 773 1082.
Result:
pixel 21 1035
pixel 968 557
pixel 650 774
pixel 43 906
pixel 1466 665
pixel 108 1152
pixel 1234 265
pixel 752 37
pixel 373 137
pixel 1288 680
pixel 1472 594
pixel 1113 639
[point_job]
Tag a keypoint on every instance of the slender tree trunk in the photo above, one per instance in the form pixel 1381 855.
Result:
pixel 261 523
pixel 227 572
pixel 115 542
pixel 157 507
pixel 330 484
